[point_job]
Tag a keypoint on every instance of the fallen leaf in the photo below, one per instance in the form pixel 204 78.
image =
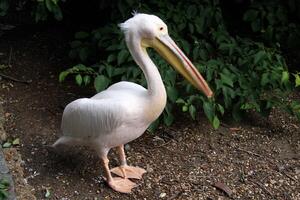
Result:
pixel 16 141
pixel 224 188
pixel 47 194
pixel 6 145
pixel 235 129
pixel 295 126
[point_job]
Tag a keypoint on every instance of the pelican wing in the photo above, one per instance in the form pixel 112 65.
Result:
pixel 89 118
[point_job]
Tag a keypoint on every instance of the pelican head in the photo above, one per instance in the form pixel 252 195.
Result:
pixel 151 31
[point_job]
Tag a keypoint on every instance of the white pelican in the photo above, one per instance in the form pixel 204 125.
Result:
pixel 122 112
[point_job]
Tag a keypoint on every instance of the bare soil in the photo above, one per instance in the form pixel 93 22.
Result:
pixel 256 159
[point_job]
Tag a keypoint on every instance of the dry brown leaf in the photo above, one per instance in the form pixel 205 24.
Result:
pixel 235 129
pixel 223 187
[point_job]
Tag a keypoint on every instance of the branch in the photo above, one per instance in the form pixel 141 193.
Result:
pixel 14 79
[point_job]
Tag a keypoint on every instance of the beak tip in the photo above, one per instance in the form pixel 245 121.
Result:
pixel 210 94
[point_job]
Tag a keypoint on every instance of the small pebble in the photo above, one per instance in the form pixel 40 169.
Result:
pixel 162 195
pixel 127 147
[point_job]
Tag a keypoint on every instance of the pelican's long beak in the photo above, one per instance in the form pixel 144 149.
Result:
pixel 168 49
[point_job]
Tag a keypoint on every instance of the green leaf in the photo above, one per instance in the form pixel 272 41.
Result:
pixel 81 35
pixel 200 25
pixel 49 4
pixel 221 109
pixel 168 118
pixel 78 79
pixel 63 75
pixel 101 82
pixel 83 54
pixel 216 122
pixel 259 56
pixel 172 93
pixel 297 80
pixel 4 5
pixel 86 79
pixel 208 110
pixel 185 108
pixel 191 28
pixel 110 70
pixel 285 77
pixel 192 111
pixel 111 58
pixel 185 46
pixel 118 71
pixel 80 67
pixel 203 54
pixel 226 79
pixel 180 101
pixel 57 12
pixel 264 79
pixel 122 56
pixel 191 11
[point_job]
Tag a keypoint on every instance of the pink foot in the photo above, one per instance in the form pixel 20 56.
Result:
pixel 122 185
pixel 129 172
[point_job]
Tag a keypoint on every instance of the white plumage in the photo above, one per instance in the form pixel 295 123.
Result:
pixel 107 115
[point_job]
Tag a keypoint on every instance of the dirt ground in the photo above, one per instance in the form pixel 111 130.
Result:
pixel 256 159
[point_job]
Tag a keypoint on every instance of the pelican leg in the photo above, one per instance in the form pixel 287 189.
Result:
pixel 124 170
pixel 118 184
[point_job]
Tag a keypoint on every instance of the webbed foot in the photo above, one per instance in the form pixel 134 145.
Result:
pixel 122 185
pixel 126 171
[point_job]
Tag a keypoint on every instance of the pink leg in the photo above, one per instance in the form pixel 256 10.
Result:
pixel 118 184
pixel 124 170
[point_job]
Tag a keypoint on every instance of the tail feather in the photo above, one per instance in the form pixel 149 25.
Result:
pixel 64 140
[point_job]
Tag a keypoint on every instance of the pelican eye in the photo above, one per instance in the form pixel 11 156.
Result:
pixel 161 28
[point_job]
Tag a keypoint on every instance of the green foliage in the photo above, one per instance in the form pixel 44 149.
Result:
pixel 4 186
pixel 4 5
pixel 45 7
pixel 244 75
pixel 271 20
pixel 41 8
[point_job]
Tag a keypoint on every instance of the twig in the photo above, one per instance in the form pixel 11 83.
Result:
pixel 176 195
pixel 161 145
pixel 225 125
pixel 14 79
pixel 249 152
pixel 10 55
pixel 289 176
pixel 262 187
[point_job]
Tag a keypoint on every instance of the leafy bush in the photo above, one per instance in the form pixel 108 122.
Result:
pixel 40 8
pixel 45 7
pixel 275 21
pixel 244 75
pixel 4 5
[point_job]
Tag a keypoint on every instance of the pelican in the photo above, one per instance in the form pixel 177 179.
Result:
pixel 123 111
